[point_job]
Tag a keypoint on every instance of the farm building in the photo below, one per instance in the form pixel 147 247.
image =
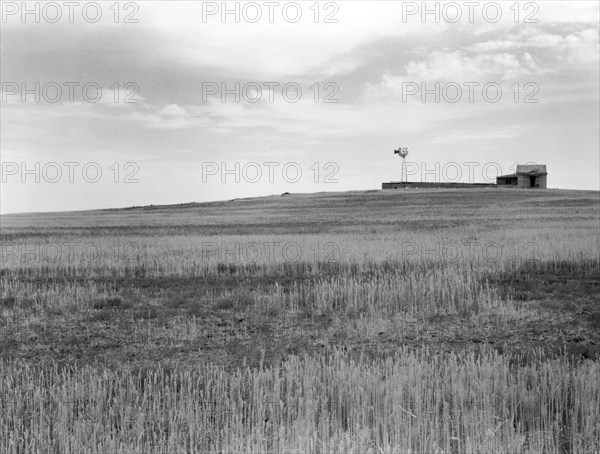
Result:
pixel 429 185
pixel 526 176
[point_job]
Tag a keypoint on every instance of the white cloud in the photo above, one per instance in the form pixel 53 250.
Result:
pixel 173 110
pixel 583 48
pixel 577 50
pixel 278 49
pixel 459 67
pixel 468 134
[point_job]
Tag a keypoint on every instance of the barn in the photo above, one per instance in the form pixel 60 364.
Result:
pixel 526 176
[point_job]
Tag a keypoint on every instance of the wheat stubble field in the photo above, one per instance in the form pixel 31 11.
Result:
pixel 415 321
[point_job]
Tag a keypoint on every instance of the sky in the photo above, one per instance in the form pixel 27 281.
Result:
pixel 137 103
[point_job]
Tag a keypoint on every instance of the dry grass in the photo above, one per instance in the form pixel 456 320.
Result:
pixel 454 322
pixel 411 402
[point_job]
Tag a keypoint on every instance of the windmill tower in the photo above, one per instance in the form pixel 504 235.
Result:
pixel 402 152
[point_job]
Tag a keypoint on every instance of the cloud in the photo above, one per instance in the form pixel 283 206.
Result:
pixel 573 51
pixel 491 134
pixel 459 67
pixel 173 110
pixel 583 48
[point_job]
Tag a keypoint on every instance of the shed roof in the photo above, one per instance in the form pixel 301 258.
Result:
pixel 539 169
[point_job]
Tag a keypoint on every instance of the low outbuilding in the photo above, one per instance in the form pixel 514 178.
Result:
pixel 526 176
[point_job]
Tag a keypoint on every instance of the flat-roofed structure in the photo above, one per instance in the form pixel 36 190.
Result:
pixel 432 185
pixel 526 176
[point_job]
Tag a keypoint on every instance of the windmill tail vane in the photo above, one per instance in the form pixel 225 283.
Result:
pixel 402 151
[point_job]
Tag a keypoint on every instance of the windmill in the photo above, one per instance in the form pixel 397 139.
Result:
pixel 402 152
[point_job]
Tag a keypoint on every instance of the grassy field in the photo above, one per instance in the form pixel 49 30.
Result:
pixel 404 321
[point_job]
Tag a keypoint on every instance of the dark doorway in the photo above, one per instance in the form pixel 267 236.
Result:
pixel 532 181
